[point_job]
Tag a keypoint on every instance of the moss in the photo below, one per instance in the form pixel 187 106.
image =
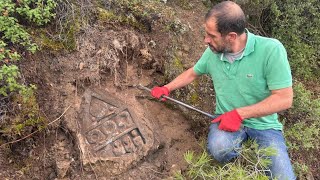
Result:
pixel 50 44
pixel 185 4
pixel 173 67
pixel 177 63
pixel 26 118
pixel 70 42
pixel 108 16
pixel 194 98
pixel 44 41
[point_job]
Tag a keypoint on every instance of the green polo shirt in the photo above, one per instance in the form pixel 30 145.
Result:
pixel 262 67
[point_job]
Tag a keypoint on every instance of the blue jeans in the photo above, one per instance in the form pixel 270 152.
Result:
pixel 222 146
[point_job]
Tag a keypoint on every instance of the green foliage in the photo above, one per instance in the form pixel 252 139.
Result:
pixel 14 18
pixel 111 16
pixel 14 34
pixel 301 170
pixel 200 166
pixel 9 75
pixel 297 26
pixel 305 115
pixel 76 17
pixel 8 79
pixel 303 127
pixel 36 11
pixel 48 43
pixel 6 54
pixel 141 14
pixel 305 106
pixel 136 13
pixel 307 140
pixel 251 164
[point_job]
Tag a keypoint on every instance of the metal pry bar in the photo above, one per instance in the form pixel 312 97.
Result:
pixel 181 103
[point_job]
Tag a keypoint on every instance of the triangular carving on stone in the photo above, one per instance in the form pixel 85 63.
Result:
pixel 111 131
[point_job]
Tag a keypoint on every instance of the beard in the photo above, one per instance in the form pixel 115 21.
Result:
pixel 220 49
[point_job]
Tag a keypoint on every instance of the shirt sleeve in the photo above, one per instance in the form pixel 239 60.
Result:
pixel 200 67
pixel 278 72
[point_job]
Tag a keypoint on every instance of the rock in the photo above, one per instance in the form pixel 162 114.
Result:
pixel 112 133
pixel 81 65
pixel 62 168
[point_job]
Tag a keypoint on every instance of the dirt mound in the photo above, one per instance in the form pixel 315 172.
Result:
pixel 110 130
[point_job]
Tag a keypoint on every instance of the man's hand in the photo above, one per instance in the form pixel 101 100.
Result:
pixel 229 121
pixel 157 92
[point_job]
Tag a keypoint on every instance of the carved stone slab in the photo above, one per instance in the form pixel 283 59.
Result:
pixel 110 130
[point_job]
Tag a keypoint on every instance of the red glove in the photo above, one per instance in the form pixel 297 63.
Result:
pixel 157 92
pixel 229 121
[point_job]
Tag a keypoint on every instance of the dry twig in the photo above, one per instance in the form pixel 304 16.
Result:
pixel 15 141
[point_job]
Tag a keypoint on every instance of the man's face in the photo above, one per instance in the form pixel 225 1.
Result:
pixel 216 42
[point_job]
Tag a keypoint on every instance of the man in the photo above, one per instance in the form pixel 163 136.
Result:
pixel 252 81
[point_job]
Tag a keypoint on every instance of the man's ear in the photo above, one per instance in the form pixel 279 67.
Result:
pixel 232 36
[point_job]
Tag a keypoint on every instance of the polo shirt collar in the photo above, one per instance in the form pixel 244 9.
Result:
pixel 249 45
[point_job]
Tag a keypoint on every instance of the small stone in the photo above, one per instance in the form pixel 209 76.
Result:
pixel 81 65
pixel 152 43
pixel 36 169
pixel 52 175
pixel 117 44
pixel 174 169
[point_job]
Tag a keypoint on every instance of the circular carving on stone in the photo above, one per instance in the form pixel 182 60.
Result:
pixel 108 128
pixel 95 136
pixel 112 130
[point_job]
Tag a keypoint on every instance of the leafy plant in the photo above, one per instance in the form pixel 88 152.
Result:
pixel 15 40
pixel 251 164
pixel 303 117
pixel 8 79
pixel 14 34
pixel 302 170
pixel 36 11
pixel 307 140
pixel 296 25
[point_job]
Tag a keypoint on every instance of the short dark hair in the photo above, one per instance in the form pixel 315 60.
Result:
pixel 227 20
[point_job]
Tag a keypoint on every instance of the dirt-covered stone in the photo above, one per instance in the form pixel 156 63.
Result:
pixel 111 130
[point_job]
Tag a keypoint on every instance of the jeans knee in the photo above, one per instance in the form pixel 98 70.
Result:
pixel 221 151
pixel 281 167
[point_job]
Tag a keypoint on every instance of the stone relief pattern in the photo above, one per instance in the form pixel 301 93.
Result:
pixel 114 132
